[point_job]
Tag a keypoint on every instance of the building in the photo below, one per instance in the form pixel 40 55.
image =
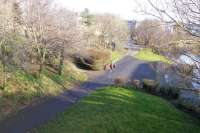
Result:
pixel 131 25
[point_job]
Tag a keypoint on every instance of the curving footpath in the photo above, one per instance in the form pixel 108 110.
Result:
pixel 35 115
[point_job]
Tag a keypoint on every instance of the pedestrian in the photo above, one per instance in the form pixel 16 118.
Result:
pixel 113 44
pixel 109 68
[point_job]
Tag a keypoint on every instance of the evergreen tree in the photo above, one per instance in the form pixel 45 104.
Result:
pixel 87 18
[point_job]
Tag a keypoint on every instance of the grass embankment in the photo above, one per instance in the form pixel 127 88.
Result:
pixel 121 110
pixel 116 55
pixel 22 88
pixel 148 55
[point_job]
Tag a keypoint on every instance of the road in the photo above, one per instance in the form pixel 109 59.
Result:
pixel 36 115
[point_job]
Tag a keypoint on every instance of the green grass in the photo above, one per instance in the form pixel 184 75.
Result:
pixel 22 88
pixel 121 110
pixel 148 55
pixel 116 55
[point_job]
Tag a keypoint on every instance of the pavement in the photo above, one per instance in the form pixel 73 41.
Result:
pixel 36 115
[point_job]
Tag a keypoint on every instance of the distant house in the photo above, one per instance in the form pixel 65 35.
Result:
pixel 130 43
pixel 131 25
pixel 169 27
pixel 194 29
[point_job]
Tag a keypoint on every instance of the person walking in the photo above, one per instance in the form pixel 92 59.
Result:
pixel 109 68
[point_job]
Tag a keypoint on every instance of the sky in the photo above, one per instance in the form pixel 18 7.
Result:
pixel 123 8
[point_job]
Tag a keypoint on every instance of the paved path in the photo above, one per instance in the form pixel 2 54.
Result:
pixel 35 115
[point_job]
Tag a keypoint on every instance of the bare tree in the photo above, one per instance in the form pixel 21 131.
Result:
pixel 38 27
pixel 3 45
pixel 8 15
pixel 183 13
pixel 67 33
pixel 107 29
pixel 150 33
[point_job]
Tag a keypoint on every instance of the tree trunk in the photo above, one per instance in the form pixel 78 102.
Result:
pixel 41 68
pixel 4 67
pixel 61 65
pixel 4 74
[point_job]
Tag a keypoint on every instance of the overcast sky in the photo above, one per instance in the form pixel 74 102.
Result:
pixel 123 8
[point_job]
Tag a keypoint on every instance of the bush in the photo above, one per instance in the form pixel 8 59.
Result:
pixel 190 99
pixel 169 91
pixel 150 85
pixel 120 81
pixel 93 59
pixel 137 84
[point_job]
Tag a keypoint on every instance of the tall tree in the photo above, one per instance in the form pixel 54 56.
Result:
pixel 108 29
pixel 38 16
pixel 150 33
pixel 16 15
pixel 5 30
pixel 67 33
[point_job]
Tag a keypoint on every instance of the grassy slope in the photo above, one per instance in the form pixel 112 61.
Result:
pixel 120 110
pixel 148 55
pixel 116 55
pixel 22 88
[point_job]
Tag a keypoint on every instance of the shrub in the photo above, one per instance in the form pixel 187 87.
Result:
pixel 137 84
pixel 93 59
pixel 150 85
pixel 169 91
pixel 190 99
pixel 120 81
